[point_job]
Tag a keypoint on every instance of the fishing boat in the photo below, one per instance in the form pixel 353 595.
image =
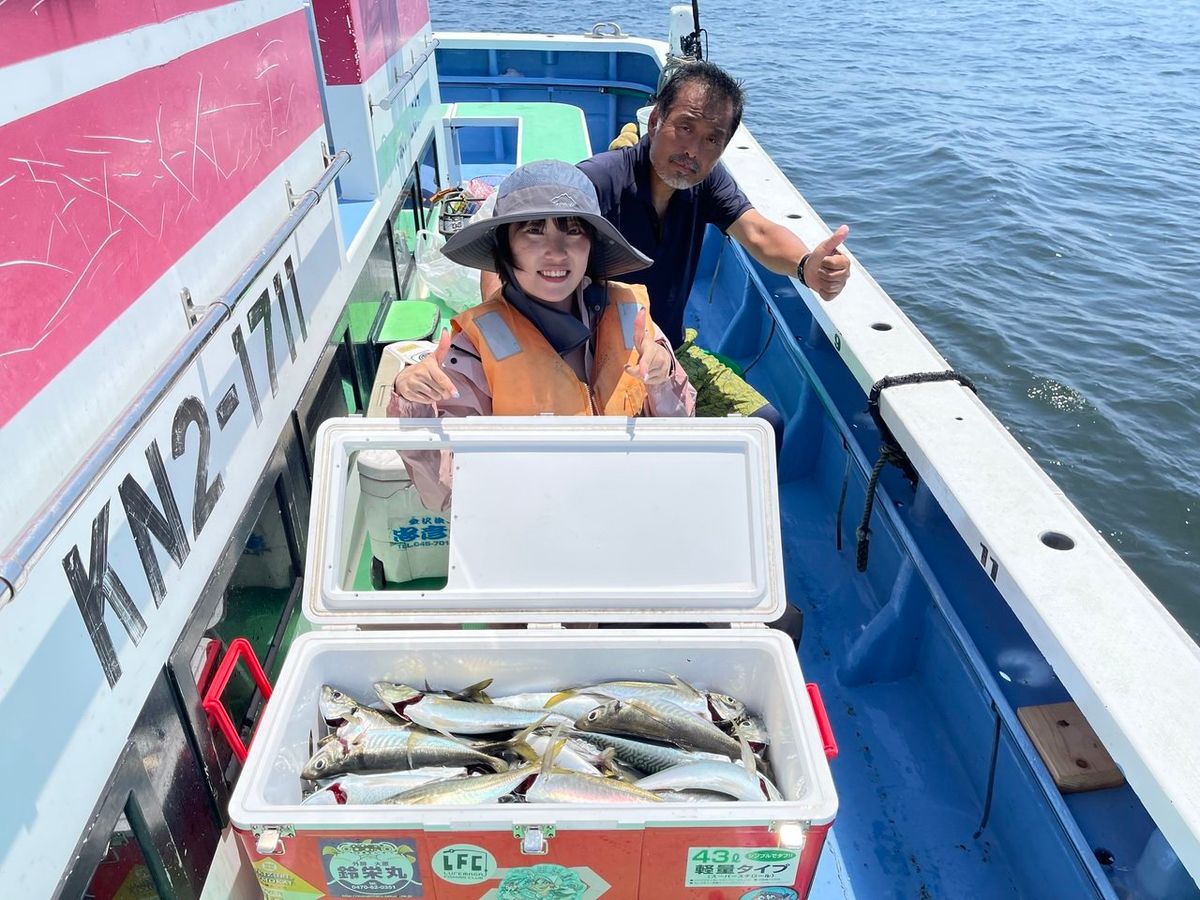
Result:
pixel 208 217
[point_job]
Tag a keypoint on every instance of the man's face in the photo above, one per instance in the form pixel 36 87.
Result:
pixel 686 143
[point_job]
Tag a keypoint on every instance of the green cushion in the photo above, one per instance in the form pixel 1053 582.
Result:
pixel 410 320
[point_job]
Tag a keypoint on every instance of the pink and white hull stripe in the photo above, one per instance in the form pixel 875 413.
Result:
pixel 102 193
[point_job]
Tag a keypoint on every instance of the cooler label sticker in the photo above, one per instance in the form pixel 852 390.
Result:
pixel 547 881
pixel 741 866
pixel 369 868
pixel 420 531
pixel 281 883
pixel 464 864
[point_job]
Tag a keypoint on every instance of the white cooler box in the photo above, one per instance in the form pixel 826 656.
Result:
pixel 408 539
pixel 556 521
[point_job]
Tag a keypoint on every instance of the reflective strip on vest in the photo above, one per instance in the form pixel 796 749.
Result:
pixel 628 312
pixel 499 337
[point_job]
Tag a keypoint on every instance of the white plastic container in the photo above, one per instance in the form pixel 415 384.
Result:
pixel 555 521
pixel 643 117
pixel 395 357
pixel 409 540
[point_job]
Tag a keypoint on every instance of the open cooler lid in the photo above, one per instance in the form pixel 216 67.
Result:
pixel 565 520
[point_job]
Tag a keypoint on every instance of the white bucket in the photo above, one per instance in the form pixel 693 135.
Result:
pixel 643 117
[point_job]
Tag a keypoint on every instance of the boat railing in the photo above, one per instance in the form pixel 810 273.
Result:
pixel 403 80
pixel 28 547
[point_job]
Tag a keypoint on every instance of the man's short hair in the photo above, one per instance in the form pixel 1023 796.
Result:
pixel 718 84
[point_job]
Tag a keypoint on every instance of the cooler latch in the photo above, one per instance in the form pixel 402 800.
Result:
pixel 270 838
pixel 535 839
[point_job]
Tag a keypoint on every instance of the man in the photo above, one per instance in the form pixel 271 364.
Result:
pixel 663 192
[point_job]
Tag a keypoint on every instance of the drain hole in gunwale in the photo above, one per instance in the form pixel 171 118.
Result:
pixel 1056 540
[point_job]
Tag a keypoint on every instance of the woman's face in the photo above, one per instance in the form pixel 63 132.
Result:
pixel 550 256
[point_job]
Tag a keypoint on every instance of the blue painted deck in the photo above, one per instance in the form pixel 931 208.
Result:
pixel 908 654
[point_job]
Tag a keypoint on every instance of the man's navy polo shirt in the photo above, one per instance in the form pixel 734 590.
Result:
pixel 622 180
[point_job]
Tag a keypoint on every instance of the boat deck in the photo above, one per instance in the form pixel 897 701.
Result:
pixel 905 677
pixel 903 827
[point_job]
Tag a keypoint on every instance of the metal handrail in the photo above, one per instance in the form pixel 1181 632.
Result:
pixel 410 73
pixel 24 552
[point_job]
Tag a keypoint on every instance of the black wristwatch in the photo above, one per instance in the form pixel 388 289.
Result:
pixel 800 268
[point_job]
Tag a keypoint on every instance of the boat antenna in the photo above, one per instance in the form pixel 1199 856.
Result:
pixel 690 44
pixel 690 49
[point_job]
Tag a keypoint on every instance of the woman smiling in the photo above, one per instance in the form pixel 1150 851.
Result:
pixel 558 336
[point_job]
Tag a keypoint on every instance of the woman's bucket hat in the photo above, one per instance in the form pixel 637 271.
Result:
pixel 546 189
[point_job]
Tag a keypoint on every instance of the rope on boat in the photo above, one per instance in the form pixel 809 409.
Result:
pixel 887 454
pixel 841 507
pixel 890 450
pixel 766 344
pixel 991 783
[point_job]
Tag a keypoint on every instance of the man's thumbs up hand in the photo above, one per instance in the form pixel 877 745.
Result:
pixel 826 268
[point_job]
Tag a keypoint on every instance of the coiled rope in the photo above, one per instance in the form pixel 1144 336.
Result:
pixel 890 450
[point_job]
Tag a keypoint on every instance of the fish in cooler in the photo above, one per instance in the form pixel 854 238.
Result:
pixel 469 790
pixel 721 776
pixel 711 705
pixel 609 742
pixel 645 755
pixel 459 716
pixel 377 787
pixel 558 786
pixel 572 754
pixel 393 747
pixel 663 720
pixel 571 704
pixel 693 797
pixel 337 707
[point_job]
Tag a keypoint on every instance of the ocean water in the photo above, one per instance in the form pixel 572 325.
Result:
pixel 1023 179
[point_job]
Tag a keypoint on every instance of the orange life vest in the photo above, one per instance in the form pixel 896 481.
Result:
pixel 528 377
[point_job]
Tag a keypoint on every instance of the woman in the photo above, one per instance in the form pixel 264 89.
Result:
pixel 557 337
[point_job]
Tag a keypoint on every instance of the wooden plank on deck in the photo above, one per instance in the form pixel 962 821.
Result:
pixel 1070 748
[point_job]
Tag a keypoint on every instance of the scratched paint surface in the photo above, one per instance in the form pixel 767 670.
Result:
pixel 359 36
pixel 30 28
pixel 102 193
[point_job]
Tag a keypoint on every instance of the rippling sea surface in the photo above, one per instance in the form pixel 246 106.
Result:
pixel 1024 180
